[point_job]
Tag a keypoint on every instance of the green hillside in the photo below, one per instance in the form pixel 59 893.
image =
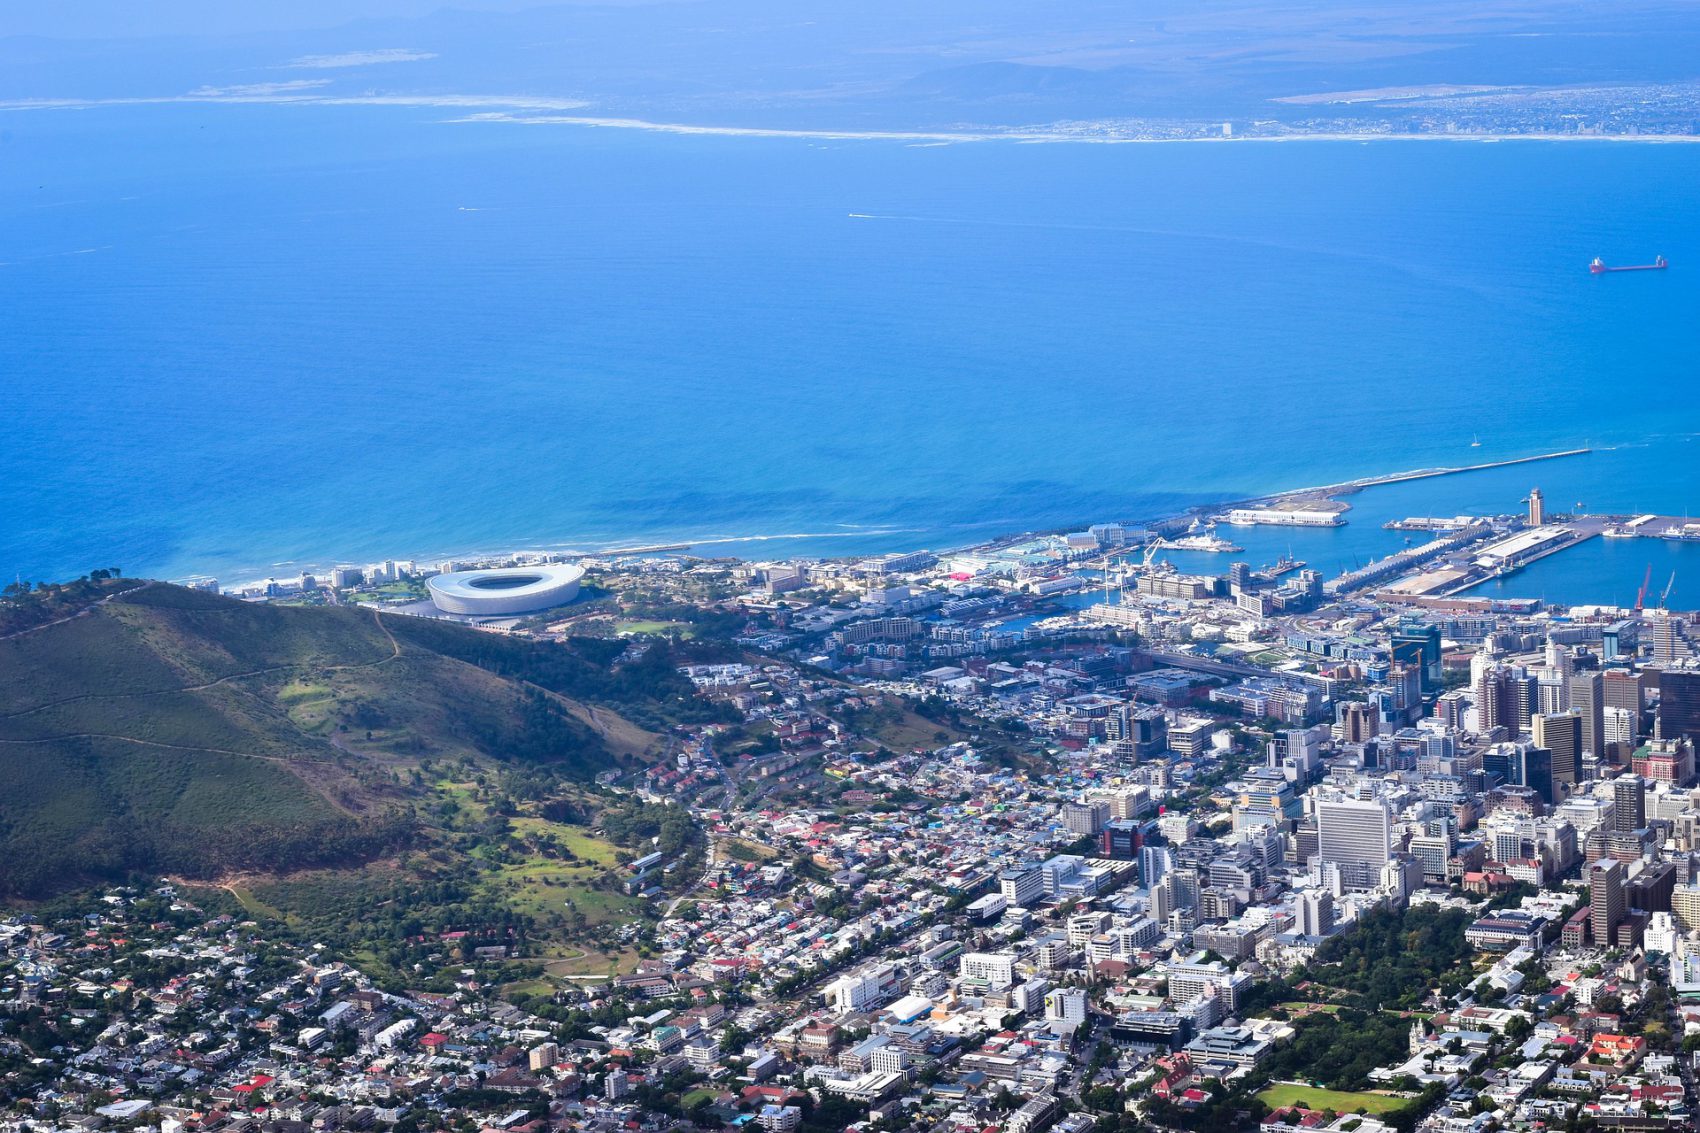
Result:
pixel 172 731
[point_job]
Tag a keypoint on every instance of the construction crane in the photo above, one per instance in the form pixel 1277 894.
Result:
pixel 1641 594
pixel 1669 586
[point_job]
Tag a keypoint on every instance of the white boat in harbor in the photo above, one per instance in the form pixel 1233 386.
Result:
pixel 1215 544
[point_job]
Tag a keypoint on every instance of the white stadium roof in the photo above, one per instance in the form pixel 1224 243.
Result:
pixel 502 591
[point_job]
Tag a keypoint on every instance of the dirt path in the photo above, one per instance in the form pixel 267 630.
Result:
pixel 72 617
pixel 284 759
pixel 395 646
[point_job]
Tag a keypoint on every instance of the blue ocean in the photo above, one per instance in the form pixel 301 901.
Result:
pixel 242 340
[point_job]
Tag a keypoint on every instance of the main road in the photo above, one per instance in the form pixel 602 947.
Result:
pixel 1206 664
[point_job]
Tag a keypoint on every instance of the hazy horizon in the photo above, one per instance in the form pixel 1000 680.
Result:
pixel 885 66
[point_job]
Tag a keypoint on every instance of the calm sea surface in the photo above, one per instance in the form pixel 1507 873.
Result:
pixel 240 340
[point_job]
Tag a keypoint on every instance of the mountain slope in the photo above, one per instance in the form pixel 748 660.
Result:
pixel 169 730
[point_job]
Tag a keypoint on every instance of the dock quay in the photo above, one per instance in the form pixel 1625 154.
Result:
pixel 1680 530
pixel 1437 522
pixel 1402 562
pixel 1502 551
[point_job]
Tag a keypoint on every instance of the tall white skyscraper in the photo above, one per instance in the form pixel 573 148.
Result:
pixel 1163 900
pixel 1357 836
pixel 1617 725
pixel 1315 909
pixel 1154 863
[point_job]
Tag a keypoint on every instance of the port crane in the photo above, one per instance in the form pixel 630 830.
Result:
pixel 1669 586
pixel 1641 594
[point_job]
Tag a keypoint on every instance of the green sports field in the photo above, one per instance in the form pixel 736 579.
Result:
pixel 1340 1101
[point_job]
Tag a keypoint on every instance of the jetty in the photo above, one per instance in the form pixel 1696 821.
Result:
pixel 1296 498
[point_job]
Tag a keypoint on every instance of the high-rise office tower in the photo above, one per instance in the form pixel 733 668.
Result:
pixel 1496 700
pixel 1304 840
pixel 1620 639
pixel 1587 699
pixel 1359 721
pixel 1650 890
pixel 1163 900
pixel 1629 803
pixel 1315 909
pixel 1561 734
pixel 1406 684
pixel 1184 884
pixel 1537 508
pixel 1154 864
pixel 1416 645
pixel 1670 640
pixel 1605 899
pixel 1624 689
pixel 1449 708
pixel 1481 661
pixel 1527 688
pixel 1619 726
pixel 1679 704
pixel 1355 834
pixel 1536 772
pixel 1525 691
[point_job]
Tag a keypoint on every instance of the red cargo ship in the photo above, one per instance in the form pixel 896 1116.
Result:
pixel 1598 267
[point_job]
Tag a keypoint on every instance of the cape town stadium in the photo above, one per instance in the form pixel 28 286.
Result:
pixel 505 590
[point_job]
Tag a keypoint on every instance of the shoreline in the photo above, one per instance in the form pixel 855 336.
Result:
pixel 684 546
pixel 502 111
pixel 1029 136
